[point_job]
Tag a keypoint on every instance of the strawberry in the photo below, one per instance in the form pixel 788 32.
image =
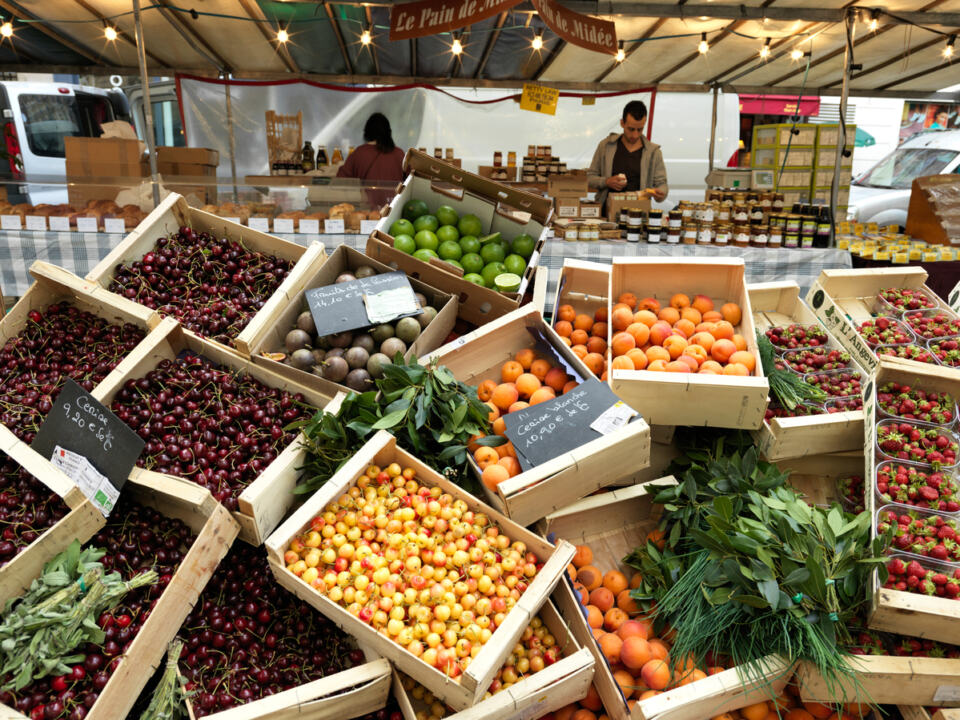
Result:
pixel 930 324
pixel 851 490
pixel 810 360
pixel 907 298
pixel 797 336
pixel 947 351
pixel 906 352
pixel 917 443
pixel 885 331
pixel 915 404
pixel 920 533
pixel 836 383
pixel 775 410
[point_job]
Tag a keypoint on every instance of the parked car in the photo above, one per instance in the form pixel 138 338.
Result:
pixel 882 194
pixel 36 117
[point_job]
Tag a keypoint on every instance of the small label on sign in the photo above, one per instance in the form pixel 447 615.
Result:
pixel 947 693
pixel 92 483
pixel 87 224
pixel 283 225
pixel 368 226
pixel 384 306
pixel 259 223
pixel 309 226
pixel 334 227
pixel 114 225
pixel 59 223
pixel 231 219
pixel 10 222
pixel 36 222
pixel 613 418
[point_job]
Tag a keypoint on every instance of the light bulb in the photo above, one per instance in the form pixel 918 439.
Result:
pixel 537 42
pixel 704 46
pixel 365 38
pixel 6 30
pixel 282 36
pixel 796 54
pixel 873 24
pixel 109 33
pixel 948 50
pixel 621 55
pixel 457 46
pixel 765 49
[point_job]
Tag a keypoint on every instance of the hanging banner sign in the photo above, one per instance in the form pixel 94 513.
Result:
pixel 430 17
pixel 581 30
pixel 538 98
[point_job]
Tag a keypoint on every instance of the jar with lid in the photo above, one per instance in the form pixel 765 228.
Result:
pixel 571 233
pixel 512 158
pixel 727 198
pixel 753 198
pixel 689 235
pixel 624 216
pixel 705 234
pixel 714 195
pixel 766 200
pixel 438 153
pixel 756 214
pixel 741 213
pixel 723 213
pixel 655 218
pixel 806 241
pixel 759 235
pixel 653 234
pixel 673 235
pixel 709 212
pixel 808 225
pixel 589 231
pixel 776 237
pixel 531 151
pixel 497 158
pixel 675 219
pixel 722 234
pixel 824 228
pixel 791 239
pixel 687 210
pixel 778 201
pixel 792 224
pixel 741 235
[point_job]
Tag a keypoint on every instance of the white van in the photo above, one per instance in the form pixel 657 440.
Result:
pixel 36 117
pixel 882 194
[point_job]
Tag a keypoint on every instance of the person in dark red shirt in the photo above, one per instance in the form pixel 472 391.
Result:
pixel 378 161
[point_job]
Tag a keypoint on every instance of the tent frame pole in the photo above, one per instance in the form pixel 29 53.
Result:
pixel 713 125
pixel 842 126
pixel 232 137
pixel 147 105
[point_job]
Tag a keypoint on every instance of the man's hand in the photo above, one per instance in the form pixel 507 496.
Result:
pixel 617 182
pixel 658 195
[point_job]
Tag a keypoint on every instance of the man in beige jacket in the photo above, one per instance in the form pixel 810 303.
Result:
pixel 628 161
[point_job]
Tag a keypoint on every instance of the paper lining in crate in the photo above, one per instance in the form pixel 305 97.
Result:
pixel 81 522
pixel 564 682
pixel 469 687
pixel 779 304
pixel 843 299
pixel 215 530
pixel 500 209
pixel 896 611
pixel 269 338
pixel 347 694
pixel 666 398
pixel 174 213
pixel 584 468
pixel 613 524
pixel 263 503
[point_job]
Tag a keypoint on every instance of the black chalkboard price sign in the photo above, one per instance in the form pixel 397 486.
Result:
pixel 346 306
pixel 90 444
pixel 544 431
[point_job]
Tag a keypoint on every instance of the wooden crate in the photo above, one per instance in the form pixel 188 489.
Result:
pixel 81 522
pixel 501 209
pixel 665 398
pixel 215 531
pixel 816 476
pixel 382 449
pixel 174 213
pixel 906 613
pixel 562 683
pixel 346 694
pixel 882 680
pixel 584 285
pixel 532 494
pixel 263 503
pixel 613 524
pixel 779 303
pixel 269 336
pixel 842 299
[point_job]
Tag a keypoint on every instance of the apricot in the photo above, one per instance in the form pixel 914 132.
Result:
pixel 635 652
pixel 594 617
pixel 602 598
pixel 614 618
pixel 610 646
pixel 655 674
pixel 590 576
pixel 592 700
pixel 646 317
pixel 634 628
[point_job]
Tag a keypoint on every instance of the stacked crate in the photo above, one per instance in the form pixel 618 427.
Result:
pixel 825 167
pixel 788 151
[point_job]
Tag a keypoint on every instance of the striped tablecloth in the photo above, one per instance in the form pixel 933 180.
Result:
pixel 79 252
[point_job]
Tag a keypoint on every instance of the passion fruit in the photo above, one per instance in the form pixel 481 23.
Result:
pixel 391 346
pixel 296 339
pixel 335 369
pixel 356 357
pixel 302 359
pixel 364 271
pixel 408 329
pixel 305 322
pixel 375 365
pixel 427 316
pixel 341 340
pixel 365 341
pixel 358 380
pixel 344 277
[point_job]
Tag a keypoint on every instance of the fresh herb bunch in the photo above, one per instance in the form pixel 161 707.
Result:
pixel 41 630
pixel 745 553
pixel 787 388
pixel 431 413
pixel 167 701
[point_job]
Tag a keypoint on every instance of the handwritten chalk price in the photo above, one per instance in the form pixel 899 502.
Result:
pixel 90 420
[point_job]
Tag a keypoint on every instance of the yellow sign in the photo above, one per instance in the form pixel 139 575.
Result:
pixel 539 98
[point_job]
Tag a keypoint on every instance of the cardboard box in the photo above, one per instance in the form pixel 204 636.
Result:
pixel 567 207
pixel 571 185
pixel 590 209
pixel 779 303
pixel 617 201
pixel 567 477
pixel 470 687
pixel 665 398
pixel 189 171
pixel 500 208
pixel 99 168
